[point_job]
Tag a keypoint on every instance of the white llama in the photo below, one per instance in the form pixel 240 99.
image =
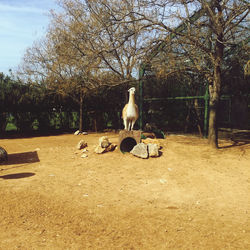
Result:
pixel 130 111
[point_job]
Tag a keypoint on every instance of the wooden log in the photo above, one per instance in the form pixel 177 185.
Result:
pixel 128 139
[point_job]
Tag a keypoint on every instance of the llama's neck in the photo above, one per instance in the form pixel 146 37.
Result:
pixel 131 98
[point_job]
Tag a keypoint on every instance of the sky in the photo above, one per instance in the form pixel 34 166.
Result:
pixel 21 23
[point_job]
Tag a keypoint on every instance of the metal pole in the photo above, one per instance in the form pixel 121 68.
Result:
pixel 141 74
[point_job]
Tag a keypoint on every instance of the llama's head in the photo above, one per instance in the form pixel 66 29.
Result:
pixel 131 90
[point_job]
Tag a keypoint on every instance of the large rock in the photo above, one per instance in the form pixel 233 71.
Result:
pixel 81 144
pixel 153 150
pixel 152 141
pixel 104 142
pixel 140 150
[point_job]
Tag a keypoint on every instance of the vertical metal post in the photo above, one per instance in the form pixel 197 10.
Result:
pixel 206 99
pixel 230 111
pixel 141 73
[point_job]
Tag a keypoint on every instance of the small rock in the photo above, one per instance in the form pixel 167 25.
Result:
pixel 163 181
pixel 140 150
pixel 99 149
pixel 84 156
pixel 84 133
pixel 77 132
pixel 153 150
pixel 84 150
pixel 81 144
pixel 104 142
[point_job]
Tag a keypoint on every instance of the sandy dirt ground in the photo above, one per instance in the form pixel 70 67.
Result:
pixel 191 197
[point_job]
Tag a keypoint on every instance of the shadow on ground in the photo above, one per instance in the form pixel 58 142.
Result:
pixel 21 158
pixel 31 134
pixel 16 176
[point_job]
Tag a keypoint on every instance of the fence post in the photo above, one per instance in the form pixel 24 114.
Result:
pixel 141 73
pixel 206 99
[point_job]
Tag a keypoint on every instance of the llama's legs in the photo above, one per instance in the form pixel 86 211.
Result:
pixel 132 125
pixel 129 125
pixel 125 121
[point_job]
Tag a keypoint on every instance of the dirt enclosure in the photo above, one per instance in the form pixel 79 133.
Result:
pixel 191 197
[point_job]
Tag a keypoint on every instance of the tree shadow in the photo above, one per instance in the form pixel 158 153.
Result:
pixel 16 176
pixel 21 158
pixel 36 133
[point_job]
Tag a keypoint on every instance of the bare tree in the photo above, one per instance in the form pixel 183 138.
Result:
pixel 85 42
pixel 90 39
pixel 194 35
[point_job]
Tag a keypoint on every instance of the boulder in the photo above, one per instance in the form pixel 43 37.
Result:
pixel 140 150
pixel 104 142
pixel 3 155
pixel 152 141
pixel 153 150
pixel 81 144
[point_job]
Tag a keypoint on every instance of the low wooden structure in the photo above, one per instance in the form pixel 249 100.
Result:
pixel 128 139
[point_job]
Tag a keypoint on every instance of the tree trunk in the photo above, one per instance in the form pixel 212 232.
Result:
pixel 81 112
pixel 214 90
pixel 215 86
pixel 213 129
